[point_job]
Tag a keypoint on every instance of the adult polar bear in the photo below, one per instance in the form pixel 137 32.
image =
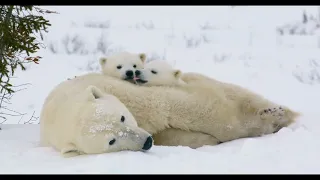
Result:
pixel 160 73
pixel 185 108
pixel 89 122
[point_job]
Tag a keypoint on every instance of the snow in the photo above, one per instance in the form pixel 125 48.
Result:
pixel 238 45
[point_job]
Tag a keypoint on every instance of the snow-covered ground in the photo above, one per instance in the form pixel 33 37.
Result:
pixel 238 45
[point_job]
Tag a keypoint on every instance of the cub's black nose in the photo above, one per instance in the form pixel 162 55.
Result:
pixel 129 73
pixel 137 72
pixel 148 144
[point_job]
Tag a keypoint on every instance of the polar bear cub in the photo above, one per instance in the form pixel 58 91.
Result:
pixel 90 122
pixel 122 65
pixel 158 73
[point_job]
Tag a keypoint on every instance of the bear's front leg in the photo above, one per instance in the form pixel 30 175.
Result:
pixel 178 137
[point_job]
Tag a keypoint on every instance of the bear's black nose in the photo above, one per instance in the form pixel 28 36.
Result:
pixel 148 144
pixel 137 72
pixel 129 73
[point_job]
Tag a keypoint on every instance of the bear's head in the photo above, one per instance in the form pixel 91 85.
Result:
pixel 122 65
pixel 105 125
pixel 158 73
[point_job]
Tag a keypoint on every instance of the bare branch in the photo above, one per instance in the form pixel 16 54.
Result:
pixel 32 119
pixel 5 98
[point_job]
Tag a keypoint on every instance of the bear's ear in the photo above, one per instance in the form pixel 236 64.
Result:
pixel 177 73
pixel 69 150
pixel 93 92
pixel 102 61
pixel 143 57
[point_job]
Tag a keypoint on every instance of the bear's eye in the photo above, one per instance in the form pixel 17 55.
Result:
pixel 134 66
pixel 112 141
pixel 122 119
pixel 119 67
pixel 153 72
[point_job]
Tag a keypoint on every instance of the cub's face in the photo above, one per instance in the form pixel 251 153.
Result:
pixel 157 73
pixel 122 65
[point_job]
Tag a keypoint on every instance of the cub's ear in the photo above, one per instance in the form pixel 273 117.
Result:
pixel 70 150
pixel 143 57
pixel 102 61
pixel 177 73
pixel 93 92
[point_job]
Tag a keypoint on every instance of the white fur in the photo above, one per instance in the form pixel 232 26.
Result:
pixel 127 61
pixel 85 122
pixel 159 73
pixel 204 108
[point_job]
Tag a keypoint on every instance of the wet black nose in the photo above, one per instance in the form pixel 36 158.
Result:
pixel 137 72
pixel 129 73
pixel 148 144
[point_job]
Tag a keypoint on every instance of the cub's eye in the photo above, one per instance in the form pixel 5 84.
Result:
pixel 134 66
pixel 112 141
pixel 153 72
pixel 123 118
pixel 119 67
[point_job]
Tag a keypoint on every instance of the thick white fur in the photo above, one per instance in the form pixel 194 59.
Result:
pixel 189 108
pixel 127 61
pixel 160 73
pixel 78 119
